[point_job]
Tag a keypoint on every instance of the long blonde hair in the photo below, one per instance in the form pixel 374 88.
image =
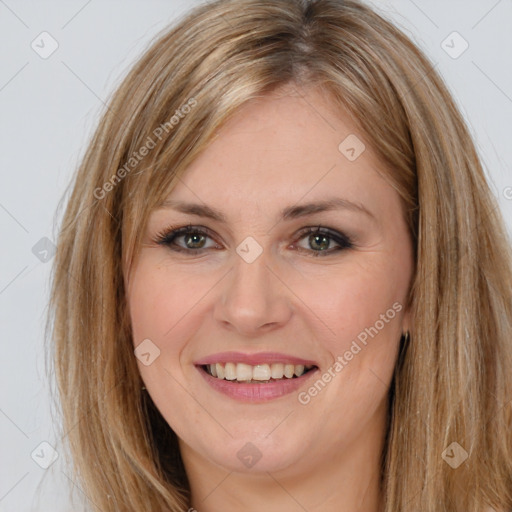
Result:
pixel 452 379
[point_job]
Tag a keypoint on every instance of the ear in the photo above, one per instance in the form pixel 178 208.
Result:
pixel 407 321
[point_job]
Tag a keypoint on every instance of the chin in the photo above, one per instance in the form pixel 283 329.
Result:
pixel 255 457
pixel 250 453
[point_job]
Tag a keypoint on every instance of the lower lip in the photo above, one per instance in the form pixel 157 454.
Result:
pixel 256 392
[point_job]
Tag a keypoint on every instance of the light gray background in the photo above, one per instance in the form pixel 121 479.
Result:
pixel 49 108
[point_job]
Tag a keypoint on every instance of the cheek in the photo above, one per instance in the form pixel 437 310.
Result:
pixel 160 300
pixel 354 303
pixel 161 305
pixel 363 312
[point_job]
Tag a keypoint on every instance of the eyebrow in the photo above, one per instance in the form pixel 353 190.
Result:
pixel 288 213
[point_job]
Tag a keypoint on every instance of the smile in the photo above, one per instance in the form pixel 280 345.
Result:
pixel 255 378
pixel 255 374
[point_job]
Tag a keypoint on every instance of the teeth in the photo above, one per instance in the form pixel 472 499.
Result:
pixel 277 371
pixel 261 372
pixel 230 371
pixel 242 372
pixel 298 370
pixel 289 370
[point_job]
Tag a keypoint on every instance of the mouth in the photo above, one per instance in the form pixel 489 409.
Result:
pixel 256 374
pixel 255 378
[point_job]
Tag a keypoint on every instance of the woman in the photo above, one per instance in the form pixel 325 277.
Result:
pixel 207 359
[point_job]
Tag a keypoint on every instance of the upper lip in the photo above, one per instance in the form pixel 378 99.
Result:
pixel 254 359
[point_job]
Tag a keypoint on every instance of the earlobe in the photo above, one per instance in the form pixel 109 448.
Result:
pixel 406 322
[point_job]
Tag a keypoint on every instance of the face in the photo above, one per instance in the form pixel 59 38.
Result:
pixel 264 297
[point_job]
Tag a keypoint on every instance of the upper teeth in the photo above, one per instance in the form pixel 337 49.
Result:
pixel 261 372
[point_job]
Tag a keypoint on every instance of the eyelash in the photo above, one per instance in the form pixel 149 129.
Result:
pixel 169 235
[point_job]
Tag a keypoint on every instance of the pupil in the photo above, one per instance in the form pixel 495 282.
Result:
pixel 323 246
pixel 197 238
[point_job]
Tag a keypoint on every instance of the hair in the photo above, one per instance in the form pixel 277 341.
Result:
pixel 452 379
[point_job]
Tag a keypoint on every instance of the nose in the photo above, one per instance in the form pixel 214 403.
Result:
pixel 253 299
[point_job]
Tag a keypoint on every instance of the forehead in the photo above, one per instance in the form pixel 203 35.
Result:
pixel 280 148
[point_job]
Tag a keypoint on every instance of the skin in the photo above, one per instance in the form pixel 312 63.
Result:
pixel 280 150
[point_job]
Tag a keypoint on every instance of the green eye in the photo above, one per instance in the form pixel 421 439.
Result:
pixel 194 240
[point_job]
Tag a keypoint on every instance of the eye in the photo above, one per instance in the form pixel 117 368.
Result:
pixel 193 239
pixel 320 239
